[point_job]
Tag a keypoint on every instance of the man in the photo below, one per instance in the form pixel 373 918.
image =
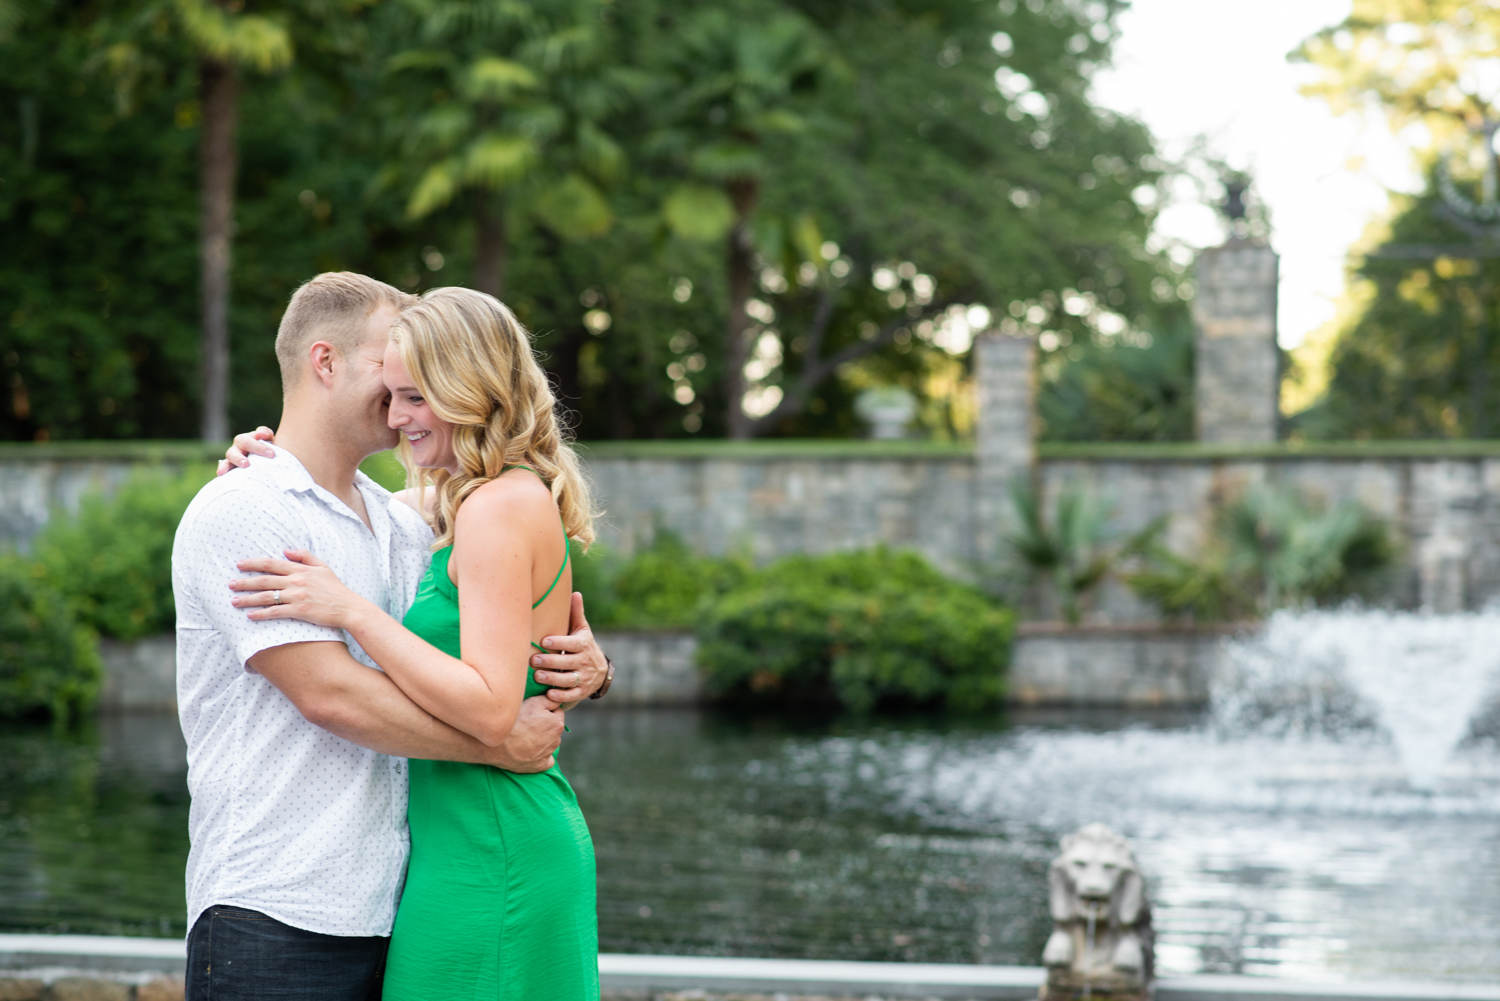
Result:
pixel 296 744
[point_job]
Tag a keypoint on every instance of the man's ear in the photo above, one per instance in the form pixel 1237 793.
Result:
pixel 322 355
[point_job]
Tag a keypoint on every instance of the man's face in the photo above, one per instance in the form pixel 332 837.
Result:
pixel 363 400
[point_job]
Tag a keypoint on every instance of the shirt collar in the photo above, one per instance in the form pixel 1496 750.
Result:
pixel 288 473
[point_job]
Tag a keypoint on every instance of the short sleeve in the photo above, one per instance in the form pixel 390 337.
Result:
pixel 237 525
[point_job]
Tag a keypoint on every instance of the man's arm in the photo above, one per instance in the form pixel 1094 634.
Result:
pixel 334 691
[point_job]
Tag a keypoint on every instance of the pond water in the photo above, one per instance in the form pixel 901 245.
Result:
pixel 907 839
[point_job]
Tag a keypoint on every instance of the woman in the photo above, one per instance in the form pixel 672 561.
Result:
pixel 500 896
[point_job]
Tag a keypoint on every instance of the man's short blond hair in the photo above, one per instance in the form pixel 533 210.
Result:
pixel 333 307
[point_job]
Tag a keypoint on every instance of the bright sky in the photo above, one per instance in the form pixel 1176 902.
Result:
pixel 1218 68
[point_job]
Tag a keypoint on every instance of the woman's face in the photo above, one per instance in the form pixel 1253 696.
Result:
pixel 431 437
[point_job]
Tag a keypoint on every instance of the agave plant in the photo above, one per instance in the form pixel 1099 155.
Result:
pixel 1272 548
pixel 1072 551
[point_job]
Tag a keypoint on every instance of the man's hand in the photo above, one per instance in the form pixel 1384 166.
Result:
pixel 533 740
pixel 580 668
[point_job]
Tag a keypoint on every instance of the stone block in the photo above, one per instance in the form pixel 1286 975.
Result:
pixel 1237 365
pixel 139 675
pixel 88 989
pixel 652 668
pixel 161 989
pixel 1112 666
pixel 21 989
pixel 1005 435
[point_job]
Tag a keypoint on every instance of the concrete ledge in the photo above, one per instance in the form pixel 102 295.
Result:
pixel 823 977
pixel 1054 664
pixel 1051 664
pixel 619 972
pixel 1211 987
pixel 112 953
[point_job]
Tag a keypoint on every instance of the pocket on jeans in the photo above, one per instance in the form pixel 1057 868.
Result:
pixel 238 913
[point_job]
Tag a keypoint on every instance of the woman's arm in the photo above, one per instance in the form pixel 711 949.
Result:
pixel 497 530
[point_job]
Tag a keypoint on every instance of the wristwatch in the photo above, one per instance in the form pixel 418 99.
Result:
pixel 609 677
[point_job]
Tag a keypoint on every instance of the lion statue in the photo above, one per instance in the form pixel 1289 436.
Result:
pixel 1101 924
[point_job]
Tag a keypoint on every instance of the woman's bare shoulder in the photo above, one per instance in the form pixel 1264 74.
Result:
pixel 515 497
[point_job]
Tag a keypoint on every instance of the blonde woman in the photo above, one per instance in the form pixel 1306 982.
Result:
pixel 500 893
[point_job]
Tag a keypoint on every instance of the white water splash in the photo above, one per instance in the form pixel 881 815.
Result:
pixel 1421 678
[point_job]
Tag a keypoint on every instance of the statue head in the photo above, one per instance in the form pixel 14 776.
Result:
pixel 1095 869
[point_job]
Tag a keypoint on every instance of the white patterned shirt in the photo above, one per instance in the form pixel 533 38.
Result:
pixel 286 818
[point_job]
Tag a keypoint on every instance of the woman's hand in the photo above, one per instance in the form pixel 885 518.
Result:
pixel 298 587
pixel 245 445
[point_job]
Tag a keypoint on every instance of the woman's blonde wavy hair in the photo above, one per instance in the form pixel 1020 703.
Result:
pixel 473 362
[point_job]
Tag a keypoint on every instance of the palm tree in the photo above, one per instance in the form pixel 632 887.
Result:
pixel 508 96
pixel 732 84
pixel 224 38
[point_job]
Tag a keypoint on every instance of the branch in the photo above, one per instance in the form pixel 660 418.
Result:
pixel 815 369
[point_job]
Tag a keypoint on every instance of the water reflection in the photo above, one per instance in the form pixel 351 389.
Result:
pixel 93 827
pixel 888 840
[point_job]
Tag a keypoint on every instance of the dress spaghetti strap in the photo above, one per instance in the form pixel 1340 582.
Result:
pixel 567 551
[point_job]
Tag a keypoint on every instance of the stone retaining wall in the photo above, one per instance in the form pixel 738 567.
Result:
pixel 773 498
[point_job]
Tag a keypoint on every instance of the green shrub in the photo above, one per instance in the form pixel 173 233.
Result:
pixel 593 576
pixel 668 586
pixel 48 662
pixel 113 559
pixel 863 628
pixel 664 587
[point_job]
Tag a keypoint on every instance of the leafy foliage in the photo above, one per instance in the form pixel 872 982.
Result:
pixel 1422 61
pixel 1417 354
pixel 863 629
pixel 905 158
pixel 665 586
pixel 1271 549
pixel 113 559
pixel 858 629
pixel 48 662
pixel 1109 390
pixel 1071 552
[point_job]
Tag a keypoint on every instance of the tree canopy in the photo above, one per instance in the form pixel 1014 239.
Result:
pixel 1417 350
pixel 716 217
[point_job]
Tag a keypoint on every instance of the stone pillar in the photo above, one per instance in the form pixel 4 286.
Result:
pixel 1005 446
pixel 1237 385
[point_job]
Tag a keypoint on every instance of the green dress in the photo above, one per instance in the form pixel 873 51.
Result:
pixel 499 898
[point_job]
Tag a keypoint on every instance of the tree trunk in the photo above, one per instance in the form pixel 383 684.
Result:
pixel 564 361
pixel 565 368
pixel 218 98
pixel 744 194
pixel 491 252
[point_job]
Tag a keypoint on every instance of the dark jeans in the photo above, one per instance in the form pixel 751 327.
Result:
pixel 236 954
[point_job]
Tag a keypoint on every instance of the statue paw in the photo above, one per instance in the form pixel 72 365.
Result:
pixel 1128 954
pixel 1059 950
